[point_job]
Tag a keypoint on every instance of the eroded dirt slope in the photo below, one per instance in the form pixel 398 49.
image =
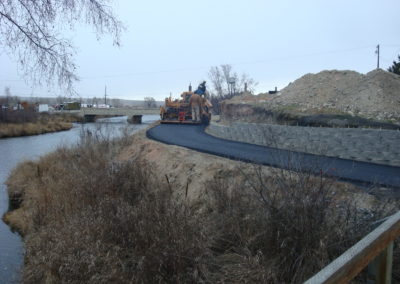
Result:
pixel 190 171
pixel 375 94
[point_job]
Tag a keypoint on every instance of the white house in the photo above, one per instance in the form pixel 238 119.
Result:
pixel 43 108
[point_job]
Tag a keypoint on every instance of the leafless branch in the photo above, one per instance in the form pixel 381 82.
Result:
pixel 30 32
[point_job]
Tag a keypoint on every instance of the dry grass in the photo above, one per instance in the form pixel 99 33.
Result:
pixel 286 229
pixel 25 129
pixel 39 124
pixel 91 219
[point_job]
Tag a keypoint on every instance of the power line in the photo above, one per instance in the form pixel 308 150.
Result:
pixel 233 64
pixel 11 80
pixel 306 55
pixel 144 73
pixel 391 45
pixel 397 54
pixel 257 61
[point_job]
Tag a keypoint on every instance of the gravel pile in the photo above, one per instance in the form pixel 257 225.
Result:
pixel 374 95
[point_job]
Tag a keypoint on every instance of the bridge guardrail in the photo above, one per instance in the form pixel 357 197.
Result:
pixel 375 249
pixel 117 111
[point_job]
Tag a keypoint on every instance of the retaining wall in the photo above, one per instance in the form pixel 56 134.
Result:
pixel 369 145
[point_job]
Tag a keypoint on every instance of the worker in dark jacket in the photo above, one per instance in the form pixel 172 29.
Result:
pixel 201 89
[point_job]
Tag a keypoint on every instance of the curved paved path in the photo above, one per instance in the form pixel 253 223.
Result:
pixel 360 144
pixel 194 137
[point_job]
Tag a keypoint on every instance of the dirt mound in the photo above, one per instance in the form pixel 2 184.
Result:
pixel 374 95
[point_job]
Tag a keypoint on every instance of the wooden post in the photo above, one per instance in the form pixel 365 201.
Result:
pixel 369 249
pixel 380 269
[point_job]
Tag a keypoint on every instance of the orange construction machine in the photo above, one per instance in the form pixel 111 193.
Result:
pixel 179 111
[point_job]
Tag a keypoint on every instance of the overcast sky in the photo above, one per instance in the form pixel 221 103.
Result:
pixel 169 44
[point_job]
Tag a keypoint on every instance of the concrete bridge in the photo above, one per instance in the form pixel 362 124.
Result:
pixel 134 115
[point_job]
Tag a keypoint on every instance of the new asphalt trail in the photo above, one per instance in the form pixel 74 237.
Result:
pixel 194 137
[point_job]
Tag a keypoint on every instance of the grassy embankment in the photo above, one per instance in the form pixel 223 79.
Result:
pixel 87 217
pixel 39 125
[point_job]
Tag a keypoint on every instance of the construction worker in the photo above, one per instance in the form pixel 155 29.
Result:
pixel 195 103
pixel 201 89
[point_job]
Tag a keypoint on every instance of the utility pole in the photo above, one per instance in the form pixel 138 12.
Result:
pixel 377 52
pixel 105 94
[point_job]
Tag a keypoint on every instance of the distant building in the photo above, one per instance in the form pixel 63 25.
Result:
pixel 86 105
pixel 273 92
pixel 42 108
pixel 68 106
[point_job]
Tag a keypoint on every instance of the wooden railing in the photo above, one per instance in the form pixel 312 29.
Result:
pixel 374 250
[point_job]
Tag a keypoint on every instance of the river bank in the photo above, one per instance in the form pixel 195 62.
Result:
pixel 137 210
pixel 27 129
pixel 20 149
pixel 38 124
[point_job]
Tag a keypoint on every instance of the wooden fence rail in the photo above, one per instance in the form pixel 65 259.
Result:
pixel 375 249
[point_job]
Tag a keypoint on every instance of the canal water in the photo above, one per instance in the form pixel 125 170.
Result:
pixel 19 149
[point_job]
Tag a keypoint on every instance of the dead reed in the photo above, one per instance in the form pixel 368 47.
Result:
pixel 92 219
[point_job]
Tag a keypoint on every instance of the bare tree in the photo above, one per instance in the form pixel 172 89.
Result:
pixel 246 84
pixel 30 31
pixel 61 99
pixel 116 102
pixel 7 94
pixel 95 101
pixel 217 80
pixel 150 102
pixel 221 78
pixel 226 70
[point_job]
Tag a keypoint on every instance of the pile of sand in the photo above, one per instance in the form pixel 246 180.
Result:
pixel 374 95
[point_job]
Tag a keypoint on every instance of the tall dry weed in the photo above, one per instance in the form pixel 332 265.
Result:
pixel 93 219
pixel 284 227
pixel 96 220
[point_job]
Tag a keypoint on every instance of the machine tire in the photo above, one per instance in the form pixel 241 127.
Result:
pixel 205 120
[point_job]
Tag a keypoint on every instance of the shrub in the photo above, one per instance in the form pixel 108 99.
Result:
pixel 96 220
pixel 17 116
pixel 287 228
